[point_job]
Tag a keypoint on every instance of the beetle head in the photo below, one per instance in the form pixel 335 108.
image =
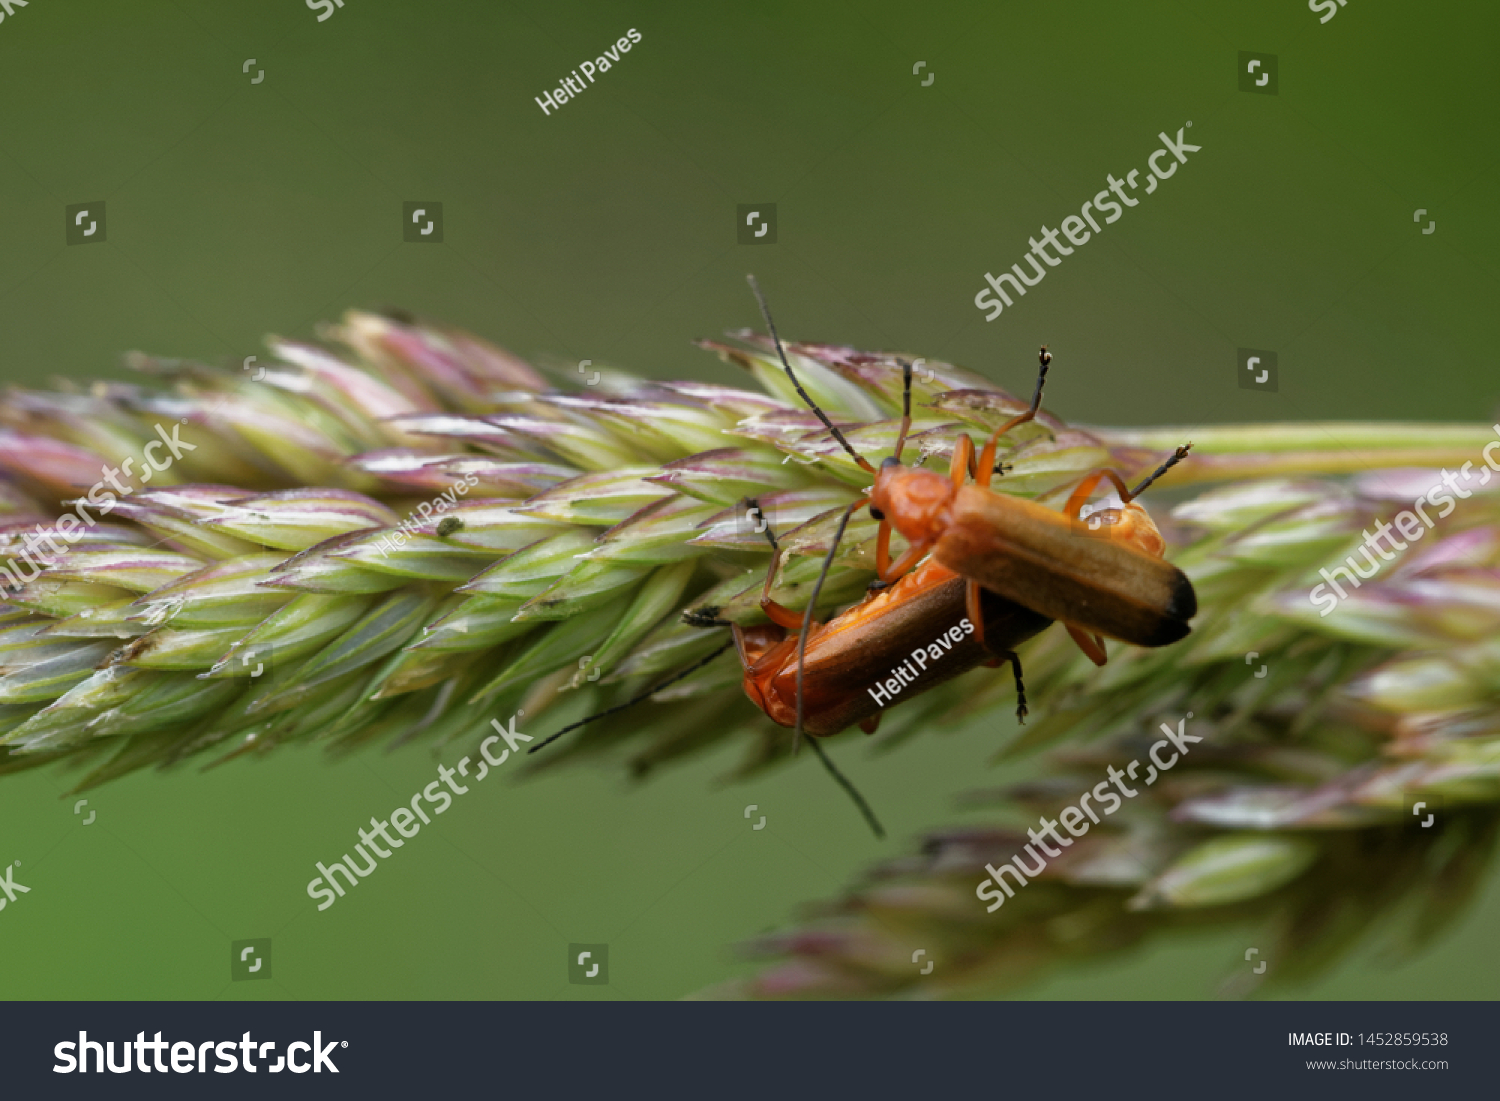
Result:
pixel 914 500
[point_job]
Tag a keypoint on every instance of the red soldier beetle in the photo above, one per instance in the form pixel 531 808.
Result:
pixel 866 644
pixel 819 679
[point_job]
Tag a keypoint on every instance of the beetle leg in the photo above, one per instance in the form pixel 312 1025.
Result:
pixel 971 605
pixel 976 617
pixel 963 460
pixel 902 566
pixel 883 551
pixel 738 634
pixel 872 724
pixel 1015 665
pixel 986 462
pixel 778 614
pixel 1093 646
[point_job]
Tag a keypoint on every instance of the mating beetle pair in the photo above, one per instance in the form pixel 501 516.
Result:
pixel 1116 585
pixel 1006 566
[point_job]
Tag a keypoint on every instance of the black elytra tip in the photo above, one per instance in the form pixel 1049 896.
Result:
pixel 1172 625
pixel 1184 603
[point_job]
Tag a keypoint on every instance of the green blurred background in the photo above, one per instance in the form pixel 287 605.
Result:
pixel 607 231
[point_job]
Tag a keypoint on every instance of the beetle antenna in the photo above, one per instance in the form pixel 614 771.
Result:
pixel 986 460
pixel 765 312
pixel 812 605
pixel 1045 358
pixel 646 695
pixel 853 792
pixel 905 407
pixel 1177 457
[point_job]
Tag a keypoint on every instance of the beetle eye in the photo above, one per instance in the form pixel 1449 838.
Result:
pixel 889 461
pixel 875 513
